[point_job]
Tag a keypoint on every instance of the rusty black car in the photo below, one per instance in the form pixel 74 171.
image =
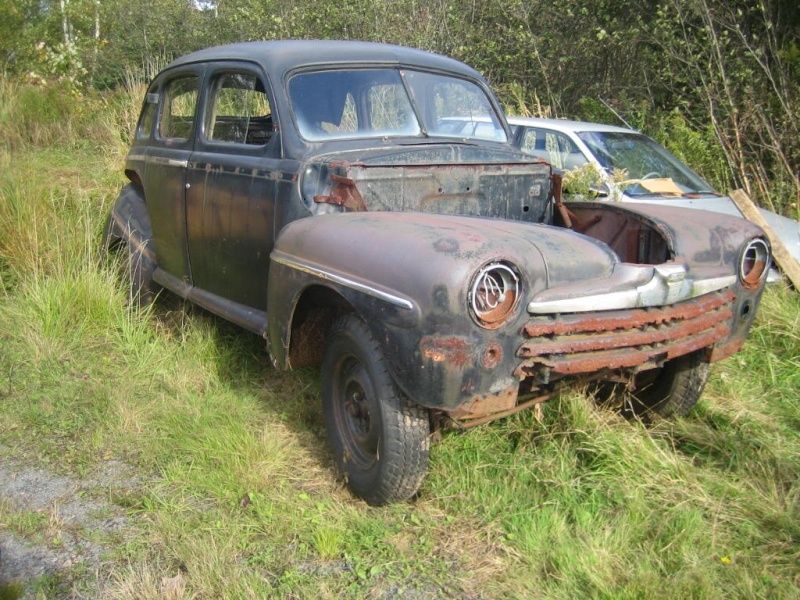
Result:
pixel 317 194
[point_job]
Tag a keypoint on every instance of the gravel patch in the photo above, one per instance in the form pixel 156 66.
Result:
pixel 65 553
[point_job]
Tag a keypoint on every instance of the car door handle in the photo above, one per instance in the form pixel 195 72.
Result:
pixel 177 163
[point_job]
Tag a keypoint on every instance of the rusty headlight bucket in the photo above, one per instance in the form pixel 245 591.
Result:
pixel 494 294
pixel 754 263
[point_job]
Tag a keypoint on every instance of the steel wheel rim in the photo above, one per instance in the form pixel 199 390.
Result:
pixel 355 420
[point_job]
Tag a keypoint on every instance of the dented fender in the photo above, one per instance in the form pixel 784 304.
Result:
pixel 408 275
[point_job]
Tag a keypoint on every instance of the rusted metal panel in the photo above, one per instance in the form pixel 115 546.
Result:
pixel 415 181
pixel 492 355
pixel 726 350
pixel 577 344
pixel 344 193
pixel 455 350
pixel 556 188
pixel 487 404
pixel 618 339
pixel 308 339
pixel 621 358
pixel 569 324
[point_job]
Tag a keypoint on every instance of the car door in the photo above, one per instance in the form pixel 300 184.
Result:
pixel 167 160
pixel 231 189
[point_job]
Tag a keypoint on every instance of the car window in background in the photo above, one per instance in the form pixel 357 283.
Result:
pixel 641 158
pixel 554 147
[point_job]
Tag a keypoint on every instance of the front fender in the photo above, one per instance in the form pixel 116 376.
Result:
pixel 408 275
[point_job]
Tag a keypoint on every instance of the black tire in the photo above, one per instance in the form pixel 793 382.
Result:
pixel 128 231
pixel 380 439
pixel 672 390
pixel 142 290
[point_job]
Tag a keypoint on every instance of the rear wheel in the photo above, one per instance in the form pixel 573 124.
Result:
pixel 672 390
pixel 128 231
pixel 142 290
pixel 380 439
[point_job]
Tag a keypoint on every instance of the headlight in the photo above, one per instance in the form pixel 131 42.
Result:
pixel 494 294
pixel 754 263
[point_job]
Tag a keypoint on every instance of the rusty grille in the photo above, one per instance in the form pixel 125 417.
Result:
pixel 580 343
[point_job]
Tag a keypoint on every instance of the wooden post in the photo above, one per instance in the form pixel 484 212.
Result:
pixel 786 263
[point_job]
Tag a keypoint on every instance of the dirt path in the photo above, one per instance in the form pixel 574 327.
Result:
pixel 58 535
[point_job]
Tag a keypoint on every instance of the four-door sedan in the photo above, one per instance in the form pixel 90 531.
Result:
pixel 661 177
pixel 322 195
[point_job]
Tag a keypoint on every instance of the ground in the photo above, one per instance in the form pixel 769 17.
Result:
pixel 58 534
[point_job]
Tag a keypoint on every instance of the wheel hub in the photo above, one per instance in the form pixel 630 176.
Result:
pixel 357 407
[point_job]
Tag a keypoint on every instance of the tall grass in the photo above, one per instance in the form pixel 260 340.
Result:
pixel 239 498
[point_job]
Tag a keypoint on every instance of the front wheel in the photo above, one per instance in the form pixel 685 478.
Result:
pixel 672 390
pixel 380 439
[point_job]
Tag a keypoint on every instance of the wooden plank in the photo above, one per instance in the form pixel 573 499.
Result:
pixel 786 263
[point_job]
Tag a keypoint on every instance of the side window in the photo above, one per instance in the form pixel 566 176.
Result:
pixel 145 127
pixel 529 142
pixel 239 110
pixel 554 147
pixel 178 108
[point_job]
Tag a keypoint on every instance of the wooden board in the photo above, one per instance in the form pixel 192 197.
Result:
pixel 786 263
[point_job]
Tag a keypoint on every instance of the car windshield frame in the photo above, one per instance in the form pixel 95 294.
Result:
pixel 642 158
pixel 381 102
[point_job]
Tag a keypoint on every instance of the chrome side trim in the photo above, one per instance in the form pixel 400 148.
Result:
pixel 354 285
pixel 161 160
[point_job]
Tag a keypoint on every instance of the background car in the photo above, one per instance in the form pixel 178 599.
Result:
pixel 660 176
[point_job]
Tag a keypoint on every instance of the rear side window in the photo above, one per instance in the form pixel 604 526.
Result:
pixel 178 108
pixel 239 110
pixel 145 127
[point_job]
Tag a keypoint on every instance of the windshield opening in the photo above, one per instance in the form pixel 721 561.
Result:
pixel 643 160
pixel 357 103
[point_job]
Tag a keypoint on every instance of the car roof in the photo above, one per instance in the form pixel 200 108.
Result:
pixel 281 56
pixel 567 126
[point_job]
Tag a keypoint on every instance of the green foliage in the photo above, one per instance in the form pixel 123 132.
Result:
pixel 696 148
pixel 582 183
pixel 729 68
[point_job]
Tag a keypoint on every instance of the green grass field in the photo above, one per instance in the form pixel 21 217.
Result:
pixel 240 496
